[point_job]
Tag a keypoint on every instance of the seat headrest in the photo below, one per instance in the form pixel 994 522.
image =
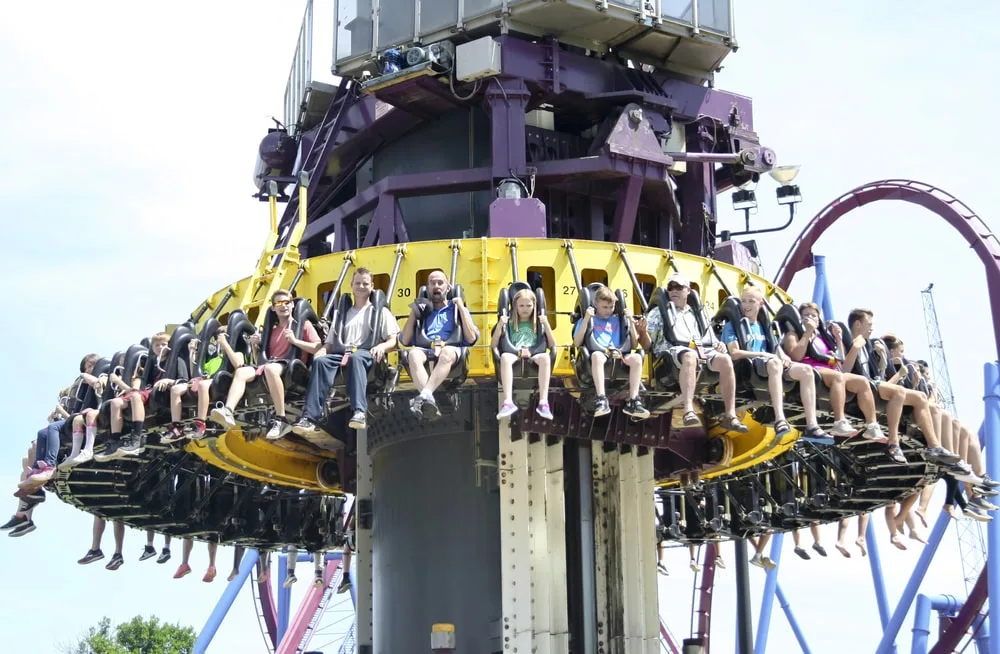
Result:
pixel 789 319
pixel 731 311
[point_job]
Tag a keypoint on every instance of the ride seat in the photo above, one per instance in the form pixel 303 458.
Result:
pixel 159 401
pixel 238 331
pixel 296 375
pixel 865 364
pixel 615 370
pixel 460 371
pixel 754 370
pixel 665 371
pixel 381 376
pixel 133 366
pixel 84 396
pixel 525 370
pixel 789 320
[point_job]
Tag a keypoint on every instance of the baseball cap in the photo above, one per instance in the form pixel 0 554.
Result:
pixel 678 278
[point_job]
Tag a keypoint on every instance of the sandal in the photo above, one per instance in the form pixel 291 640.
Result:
pixel 895 453
pixel 691 419
pixel 732 423
pixel 781 428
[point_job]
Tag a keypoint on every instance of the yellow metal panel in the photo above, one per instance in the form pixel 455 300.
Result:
pixel 484 267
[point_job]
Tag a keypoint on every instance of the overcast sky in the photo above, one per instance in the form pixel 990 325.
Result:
pixel 129 134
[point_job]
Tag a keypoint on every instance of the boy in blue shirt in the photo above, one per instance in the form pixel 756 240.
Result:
pixel 752 301
pixel 607 329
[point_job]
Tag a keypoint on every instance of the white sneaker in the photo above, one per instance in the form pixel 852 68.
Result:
pixel 289 580
pixel 83 457
pixel 842 428
pixel 223 415
pixel 873 432
pixel 68 461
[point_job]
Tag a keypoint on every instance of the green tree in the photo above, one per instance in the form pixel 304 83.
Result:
pixel 137 636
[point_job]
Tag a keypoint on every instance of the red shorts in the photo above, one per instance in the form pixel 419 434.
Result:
pixel 143 395
pixel 260 368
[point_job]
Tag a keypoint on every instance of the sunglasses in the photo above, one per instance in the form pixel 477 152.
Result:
pixel 281 303
pixel 674 287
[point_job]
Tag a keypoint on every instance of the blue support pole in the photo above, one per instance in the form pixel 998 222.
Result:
pixel 821 289
pixel 923 563
pixel 792 622
pixel 225 602
pixel 284 596
pixel 991 422
pixel 767 599
pixel 945 604
pixel 878 581
pixel 981 629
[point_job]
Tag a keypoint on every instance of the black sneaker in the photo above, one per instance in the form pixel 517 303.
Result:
pixel 345 583
pixel 164 556
pixel 26 528
pixel 429 408
pixel 14 522
pixel 358 421
pixel 110 451
pixel 131 446
pixel 305 427
pixel 318 580
pixel 33 500
pixel 981 503
pixel 148 552
pixel 635 409
pixel 116 562
pixel 91 556
pixel 601 406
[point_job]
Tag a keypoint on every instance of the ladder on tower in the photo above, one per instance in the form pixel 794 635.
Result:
pixel 281 250
pixel 971 543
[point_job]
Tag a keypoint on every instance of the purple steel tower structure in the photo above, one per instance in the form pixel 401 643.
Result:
pixel 512 118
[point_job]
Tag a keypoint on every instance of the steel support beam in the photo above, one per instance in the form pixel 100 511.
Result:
pixel 515 540
pixel 767 599
pixel 991 397
pixel 547 515
pixel 506 102
pixel 225 602
pixel 888 641
pixel 362 580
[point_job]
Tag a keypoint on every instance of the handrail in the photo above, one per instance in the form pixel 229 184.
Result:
pixel 635 281
pixel 335 293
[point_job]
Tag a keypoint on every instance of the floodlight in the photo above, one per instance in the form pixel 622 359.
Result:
pixel 784 174
pixel 744 200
